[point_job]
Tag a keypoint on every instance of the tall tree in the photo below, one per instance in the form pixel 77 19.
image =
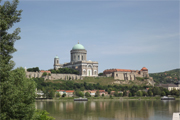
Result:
pixel 17 93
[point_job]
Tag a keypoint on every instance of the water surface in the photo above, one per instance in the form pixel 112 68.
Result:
pixel 110 110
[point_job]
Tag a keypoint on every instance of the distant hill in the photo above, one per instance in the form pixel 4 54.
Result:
pixel 170 76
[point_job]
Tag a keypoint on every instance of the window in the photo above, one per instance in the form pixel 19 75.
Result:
pixel 82 57
pixel 74 57
pixel 57 61
pixel 95 72
pixel 84 72
pixel 116 75
pixel 78 57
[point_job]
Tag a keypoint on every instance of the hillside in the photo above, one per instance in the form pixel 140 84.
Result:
pixel 170 76
pixel 103 81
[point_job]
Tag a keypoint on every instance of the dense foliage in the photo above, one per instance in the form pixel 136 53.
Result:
pixel 100 74
pixel 65 71
pixel 171 76
pixel 42 115
pixel 127 90
pixel 34 69
pixel 17 93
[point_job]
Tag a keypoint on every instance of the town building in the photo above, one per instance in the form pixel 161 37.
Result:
pixel 78 61
pixel 170 87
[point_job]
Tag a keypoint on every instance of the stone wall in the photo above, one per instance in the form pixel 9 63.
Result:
pixel 54 76
pixel 66 77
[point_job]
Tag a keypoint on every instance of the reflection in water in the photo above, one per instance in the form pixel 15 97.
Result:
pixel 110 110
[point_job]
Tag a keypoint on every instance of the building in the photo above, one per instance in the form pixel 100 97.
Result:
pixel 126 74
pixel 170 87
pixel 78 61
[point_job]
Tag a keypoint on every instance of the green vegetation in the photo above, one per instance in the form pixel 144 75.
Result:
pixel 34 69
pixel 170 76
pixel 17 93
pixel 97 94
pixel 44 74
pixel 100 74
pixel 65 71
pixel 87 94
pixel 58 94
pixel 140 79
pixel 42 115
pixel 79 93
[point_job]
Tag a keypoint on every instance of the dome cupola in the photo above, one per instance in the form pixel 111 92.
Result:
pixel 78 46
pixel 144 69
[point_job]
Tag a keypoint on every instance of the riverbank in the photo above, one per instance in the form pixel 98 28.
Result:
pixel 106 98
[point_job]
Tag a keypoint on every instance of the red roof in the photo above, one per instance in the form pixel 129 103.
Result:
pixel 108 71
pixel 59 90
pixel 116 70
pixel 101 91
pixel 45 71
pixel 69 91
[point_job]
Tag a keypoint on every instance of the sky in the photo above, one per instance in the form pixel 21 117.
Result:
pixel 124 34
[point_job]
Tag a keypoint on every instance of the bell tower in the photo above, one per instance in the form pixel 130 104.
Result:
pixel 56 62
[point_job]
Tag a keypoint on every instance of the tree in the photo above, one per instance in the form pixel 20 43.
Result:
pixel 163 93
pixel 156 91
pixel 125 93
pixel 120 94
pixel 116 93
pixel 130 94
pixel 139 93
pixel 17 93
pixel 18 96
pixel 44 74
pixel 97 94
pixel 58 94
pixel 150 93
pixel 64 95
pixel 79 93
pixel 87 94
pixel 100 74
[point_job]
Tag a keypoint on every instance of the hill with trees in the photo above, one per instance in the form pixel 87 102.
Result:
pixel 170 76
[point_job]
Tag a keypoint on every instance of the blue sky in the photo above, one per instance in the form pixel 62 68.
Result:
pixel 117 34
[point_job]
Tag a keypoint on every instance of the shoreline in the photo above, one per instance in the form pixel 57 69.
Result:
pixel 107 99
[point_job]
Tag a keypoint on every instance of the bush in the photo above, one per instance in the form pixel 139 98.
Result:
pixel 87 94
pixel 139 78
pixel 139 93
pixel 120 94
pixel 58 94
pixel 103 95
pixel 100 74
pixel 64 95
pixel 42 115
pixel 130 94
pixel 44 74
pixel 110 96
pixel 97 94
pixel 34 69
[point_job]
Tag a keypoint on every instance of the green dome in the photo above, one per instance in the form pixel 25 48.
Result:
pixel 78 46
pixel 56 56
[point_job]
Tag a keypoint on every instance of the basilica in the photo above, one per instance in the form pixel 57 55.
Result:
pixel 79 62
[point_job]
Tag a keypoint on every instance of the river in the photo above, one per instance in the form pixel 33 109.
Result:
pixel 110 110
